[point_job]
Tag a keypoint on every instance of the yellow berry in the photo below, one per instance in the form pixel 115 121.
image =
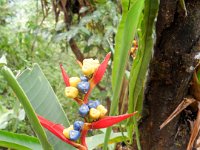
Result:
pixel 71 92
pixel 90 66
pixel 94 114
pixel 67 130
pixel 87 70
pixel 73 81
pixel 102 110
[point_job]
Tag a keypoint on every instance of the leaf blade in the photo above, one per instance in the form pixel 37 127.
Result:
pixel 124 37
pixel 19 141
pixel 10 78
pixel 44 101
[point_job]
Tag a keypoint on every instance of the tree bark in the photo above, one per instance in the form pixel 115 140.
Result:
pixel 170 71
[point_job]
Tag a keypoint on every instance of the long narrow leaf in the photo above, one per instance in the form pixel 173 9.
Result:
pixel 10 78
pixel 126 31
pixel 140 65
pixel 19 141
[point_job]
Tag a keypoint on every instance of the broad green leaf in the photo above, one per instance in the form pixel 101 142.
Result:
pixel 97 140
pixel 19 141
pixel 11 79
pixel 125 35
pixel 44 101
pixel 140 64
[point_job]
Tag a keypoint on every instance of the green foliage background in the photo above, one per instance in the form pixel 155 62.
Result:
pixel 27 37
pixel 31 33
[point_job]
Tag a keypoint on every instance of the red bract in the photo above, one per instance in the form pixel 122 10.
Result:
pixel 65 76
pixel 109 121
pixel 57 130
pixel 97 76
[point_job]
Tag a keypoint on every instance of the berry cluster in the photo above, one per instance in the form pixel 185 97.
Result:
pixel 93 113
pixel 80 86
pixel 74 131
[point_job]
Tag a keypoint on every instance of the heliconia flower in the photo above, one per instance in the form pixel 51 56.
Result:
pixel 67 83
pixel 97 76
pixel 57 130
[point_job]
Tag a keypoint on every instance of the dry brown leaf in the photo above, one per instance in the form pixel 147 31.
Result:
pixel 186 102
pixel 195 130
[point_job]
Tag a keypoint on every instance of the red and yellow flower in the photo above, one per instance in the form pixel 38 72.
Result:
pixel 93 113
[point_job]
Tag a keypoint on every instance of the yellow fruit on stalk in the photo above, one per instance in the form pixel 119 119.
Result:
pixel 67 130
pixel 103 111
pixel 71 92
pixel 94 114
pixel 90 66
pixel 73 81
pixel 88 70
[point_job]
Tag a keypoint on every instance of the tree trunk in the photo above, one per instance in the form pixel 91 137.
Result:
pixel 170 72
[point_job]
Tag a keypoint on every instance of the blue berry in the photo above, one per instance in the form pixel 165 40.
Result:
pixel 84 78
pixel 83 110
pixel 93 104
pixel 97 103
pixel 78 125
pixel 74 135
pixel 83 87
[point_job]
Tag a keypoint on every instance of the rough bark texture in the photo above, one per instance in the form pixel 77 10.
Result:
pixel 169 75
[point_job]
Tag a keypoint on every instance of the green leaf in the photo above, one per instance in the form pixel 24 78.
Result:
pixel 44 101
pixel 10 78
pixel 19 141
pixel 125 35
pixel 97 140
pixel 140 64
